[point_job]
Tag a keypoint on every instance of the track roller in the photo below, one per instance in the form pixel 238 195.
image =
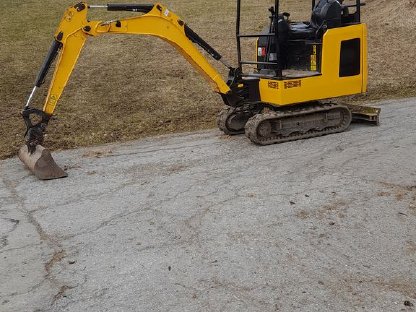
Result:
pixel 295 124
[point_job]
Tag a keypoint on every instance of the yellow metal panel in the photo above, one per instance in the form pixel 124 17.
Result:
pixel 326 85
pixel 364 59
pixel 73 39
pixel 314 59
pixel 64 68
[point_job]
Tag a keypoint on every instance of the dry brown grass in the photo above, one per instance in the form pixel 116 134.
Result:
pixel 129 87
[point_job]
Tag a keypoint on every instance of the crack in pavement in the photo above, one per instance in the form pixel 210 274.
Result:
pixel 148 207
pixel 170 149
pixel 97 295
pixel 4 238
pixel 58 254
pixel 19 248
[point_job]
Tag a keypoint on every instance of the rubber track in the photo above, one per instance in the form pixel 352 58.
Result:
pixel 255 121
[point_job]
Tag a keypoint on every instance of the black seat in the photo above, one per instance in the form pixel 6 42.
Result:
pixel 326 13
pixel 295 39
pixel 301 31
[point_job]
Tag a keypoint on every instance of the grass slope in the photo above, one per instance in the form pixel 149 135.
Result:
pixel 126 87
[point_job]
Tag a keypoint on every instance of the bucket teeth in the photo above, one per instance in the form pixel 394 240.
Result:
pixel 41 163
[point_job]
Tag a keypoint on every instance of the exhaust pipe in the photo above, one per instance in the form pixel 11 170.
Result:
pixel 41 163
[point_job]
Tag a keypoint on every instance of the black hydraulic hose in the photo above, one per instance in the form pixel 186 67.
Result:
pixel 142 8
pixel 53 52
pixel 194 37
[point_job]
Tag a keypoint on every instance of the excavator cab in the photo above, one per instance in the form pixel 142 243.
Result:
pixel 325 57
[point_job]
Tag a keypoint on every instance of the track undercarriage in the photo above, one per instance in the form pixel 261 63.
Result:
pixel 271 125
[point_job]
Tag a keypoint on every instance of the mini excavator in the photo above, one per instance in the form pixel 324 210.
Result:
pixel 281 95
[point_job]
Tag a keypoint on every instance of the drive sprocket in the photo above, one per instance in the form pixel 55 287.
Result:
pixel 233 120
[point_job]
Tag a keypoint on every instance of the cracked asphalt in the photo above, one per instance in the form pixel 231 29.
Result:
pixel 206 222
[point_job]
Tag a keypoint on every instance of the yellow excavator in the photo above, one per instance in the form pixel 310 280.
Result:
pixel 277 97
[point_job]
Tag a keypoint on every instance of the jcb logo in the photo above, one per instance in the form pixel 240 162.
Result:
pixel 293 84
pixel 52 100
pixel 69 16
pixel 273 85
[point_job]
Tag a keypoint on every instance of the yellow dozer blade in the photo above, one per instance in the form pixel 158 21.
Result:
pixel 41 163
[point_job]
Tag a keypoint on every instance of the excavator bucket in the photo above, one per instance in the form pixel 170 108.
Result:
pixel 41 163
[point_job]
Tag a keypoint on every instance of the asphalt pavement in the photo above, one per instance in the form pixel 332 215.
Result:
pixel 206 222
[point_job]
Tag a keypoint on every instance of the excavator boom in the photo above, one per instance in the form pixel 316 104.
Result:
pixel 69 39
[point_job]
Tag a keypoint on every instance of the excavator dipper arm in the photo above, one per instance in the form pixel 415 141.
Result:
pixel 70 37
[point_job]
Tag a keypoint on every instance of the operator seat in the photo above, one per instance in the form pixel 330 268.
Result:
pixel 326 12
pixel 293 37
